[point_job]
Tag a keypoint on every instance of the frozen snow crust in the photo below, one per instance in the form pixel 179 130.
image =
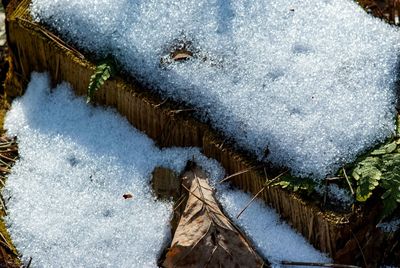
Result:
pixel 311 80
pixel 66 207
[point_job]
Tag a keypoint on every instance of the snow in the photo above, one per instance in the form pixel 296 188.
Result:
pixel 312 81
pixel 271 236
pixel 65 193
pixel 391 226
pixel 337 196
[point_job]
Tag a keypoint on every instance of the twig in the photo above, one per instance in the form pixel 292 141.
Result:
pixel 52 37
pixel 5 242
pixel 7 158
pixel 325 193
pixel 29 263
pixel 359 246
pixel 348 181
pixel 4 163
pixel 4 169
pixel 183 110
pixel 317 264
pixel 334 178
pixel 268 183
pixel 9 150
pixel 259 192
pixel 161 103
pixel 180 202
pixel 6 245
pixel 251 201
pixel 3 205
pixel 7 145
pixel 240 173
pixel 211 255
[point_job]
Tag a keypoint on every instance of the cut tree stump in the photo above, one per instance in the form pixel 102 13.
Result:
pixel 205 237
pixel 32 47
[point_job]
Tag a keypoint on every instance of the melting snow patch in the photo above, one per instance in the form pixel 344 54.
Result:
pixel 66 205
pixel 312 81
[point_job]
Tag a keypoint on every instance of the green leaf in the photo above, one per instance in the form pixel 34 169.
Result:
pixel 362 196
pixel 380 151
pixel 380 168
pixel 102 73
pixel 305 185
pixel 391 147
pixel 356 174
pixel 386 194
pixel 368 179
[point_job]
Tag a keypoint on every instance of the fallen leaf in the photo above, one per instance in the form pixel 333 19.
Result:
pixel 181 55
pixel 127 196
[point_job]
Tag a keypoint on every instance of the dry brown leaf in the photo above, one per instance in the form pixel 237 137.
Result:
pixel 205 237
pixel 127 196
pixel 181 55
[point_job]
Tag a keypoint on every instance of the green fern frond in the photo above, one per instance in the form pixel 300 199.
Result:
pixel 380 169
pixel 367 175
pixel 296 184
pixel 102 73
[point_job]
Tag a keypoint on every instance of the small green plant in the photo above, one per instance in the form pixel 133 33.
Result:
pixel 296 184
pixel 104 70
pixel 376 172
pixel 380 169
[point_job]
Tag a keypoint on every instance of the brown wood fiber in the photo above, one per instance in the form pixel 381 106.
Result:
pixel 34 48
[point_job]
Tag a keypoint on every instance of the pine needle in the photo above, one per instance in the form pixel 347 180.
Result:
pixel 240 173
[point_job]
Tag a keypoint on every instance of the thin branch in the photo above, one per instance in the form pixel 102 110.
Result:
pixel 334 178
pixel 180 201
pixel 29 263
pixel 52 37
pixel 5 242
pixel 251 201
pixel 259 192
pixel 240 173
pixel 7 158
pixel 359 246
pixel 348 182
pixel 325 193
pixel 3 205
pixel 211 255
pixel 6 245
pixel 4 169
pixel 183 110
pixel 4 163
pixel 161 103
pixel 275 179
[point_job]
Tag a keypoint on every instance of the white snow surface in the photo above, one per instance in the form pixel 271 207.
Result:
pixel 65 204
pixel 311 80
pixel 390 227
